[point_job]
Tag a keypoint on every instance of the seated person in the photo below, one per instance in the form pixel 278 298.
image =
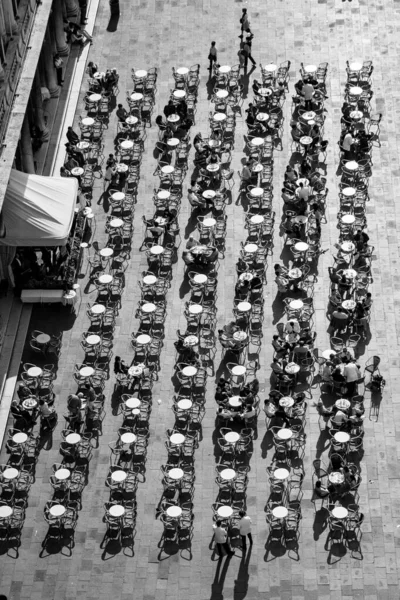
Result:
pixel 269 408
pixel 242 288
pixel 321 491
pixel 280 347
pixel 191 243
pixel 337 375
pixel 301 350
pixel 291 174
pixel 246 175
pixel 188 257
pixel 292 326
pixel 288 196
pixel 339 418
pixel 339 320
pixel 122 113
pixel 225 413
pixel 92 68
pixel 196 200
pixel 280 418
pixel 307 336
pixel 120 368
pixel 248 413
pixel 23 418
pixel 47 413
pixel 110 79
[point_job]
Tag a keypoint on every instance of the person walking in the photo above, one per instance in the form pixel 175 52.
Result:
pixel 58 65
pixel 244 22
pixel 247 51
pixel 221 536
pixel 212 56
pixel 245 528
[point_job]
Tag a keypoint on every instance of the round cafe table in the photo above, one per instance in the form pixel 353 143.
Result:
pixel 99 75
pixel 286 402
pixel 163 194
pixel 195 309
pixel 106 279
pixel 128 438
pixel 342 404
pixel 302 219
pixel 302 180
pixel 116 223
pixel 131 120
pixel 280 512
pixel 292 368
pixel 189 371
pixel 281 474
pixel 244 307
pixel 327 354
pixel 173 142
pixel 228 474
pixel 143 339
pixel 117 510
pixel 309 115
pixel 42 338
pixel 118 196
pixel 106 252
pixel 86 371
pixel 168 169
pixel 175 473
pixel 355 91
pixel 347 247
pixel 199 249
pixel 10 473
pixel 296 304
pixel 349 304
pixel 136 370
pixel 246 276
pixel 262 117
pixel 355 66
pixel 271 68
pixel 350 273
pixel 5 511
pixel 119 476
pixel 225 512
pixel 95 97
pixel 224 69
pixel 200 278
pixel 239 370
pixel 83 145
pixel 213 167
pixel 185 404
pixel 173 118
pixel 157 249
pixel 351 165
pixel 190 340
pixel 34 372
pixel 174 512
pixel 57 510
pixel 149 307
pixel 295 273
pixel 93 340
pixel 310 68
pixel 232 437
pixel 221 94
pixel 264 92
pixel 141 74
pixel 235 401
pixel 73 439
pixel 306 140
pixel 62 474
pixel 256 192
pixel 177 439
pixel 214 143
pixel 336 477
pixel 349 192
pixel 292 337
pixel 29 403
pixel 126 145
pixel 250 248
pixel 301 247
pixel 208 194
pixel 257 219
pixel 285 434
pixel 179 94
pixel 19 438
pixel 257 141
pixel 121 167
pixel 342 437
pixel 209 222
pixel 356 115
pixel 348 219
pixel 149 279
pixel 87 121
pixel 340 512
pixel 132 403
pixel 182 71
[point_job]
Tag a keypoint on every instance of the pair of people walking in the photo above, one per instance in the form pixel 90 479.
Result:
pixel 221 535
pixel 245 45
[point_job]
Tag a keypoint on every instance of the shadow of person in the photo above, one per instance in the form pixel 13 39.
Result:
pixel 113 23
pixel 242 581
pixel 320 522
pixel 278 309
pixel 217 585
pixel 322 442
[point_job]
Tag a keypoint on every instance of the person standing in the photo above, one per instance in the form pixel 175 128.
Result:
pixel 221 536
pixel 245 528
pixel 58 65
pixel 244 22
pixel 212 56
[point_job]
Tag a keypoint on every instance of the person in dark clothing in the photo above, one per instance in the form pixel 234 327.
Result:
pixel 72 137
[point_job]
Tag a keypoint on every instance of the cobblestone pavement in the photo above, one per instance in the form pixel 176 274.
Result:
pixel 178 32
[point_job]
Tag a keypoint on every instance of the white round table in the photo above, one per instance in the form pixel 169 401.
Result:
pixel 349 191
pixel 168 169
pixel 131 120
pixel 62 474
pixel 149 279
pixel 185 404
pixel 250 248
pixel 301 246
pixel 209 222
pixel 10 473
pixel 119 476
pixel 348 219
pixel 356 115
pixel 286 402
pixel 34 372
pixel 95 97
pixel 174 511
pixel 310 68
pixel 281 474
pixel 228 474
pixel 355 91
pixel 270 68
pixel 340 512
pixel 141 74
pixel 5 511
pixel 347 247
pixel 235 401
pixel 121 167
pixel 57 510
pixel 219 117
pixel 182 71
pixel 149 307
pixel 306 140
pixel 244 307
pixel 163 194
pixel 136 96
pixel 292 368
pixel 350 273
pixel 225 512
pixel 246 276
pixel 200 278
pixel 156 250
pixel 352 165
pixel 136 370
pixel 257 219
pixel 336 477
pixel 342 437
pixel 239 370
pixel 106 279
pixel 208 194
pixel 189 371
pixel 295 273
pixel 257 141
pixel 126 145
pixel 172 143
pixel 213 167
pixel 73 439
pixel 87 121
pixel 280 512
pixel 256 192
pixel 42 338
pixel 86 371
pixel 177 439
pixel 30 403
pixel 128 438
pixel 83 145
pixel 262 117
pixel 349 304
pixel 175 473
pixel 19 438
pixel 224 69
pixel 118 196
pixel 179 94
pixel 143 339
pixel 264 91
pixel 355 66
pixel 342 404
pixel 195 309
pixel 214 143
pixel 173 118
pixel 232 437
pixel 221 94
pixel 132 403
pixel 117 510
pixel 115 224
pixel 190 340
pixel 327 354
pixel 296 304
pixel 309 115
pixel 93 340
pixel 285 434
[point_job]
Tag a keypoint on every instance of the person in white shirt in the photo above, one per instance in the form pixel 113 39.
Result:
pixel 352 373
pixel 221 536
pixel 347 144
pixel 245 528
pixel 308 91
pixel 303 192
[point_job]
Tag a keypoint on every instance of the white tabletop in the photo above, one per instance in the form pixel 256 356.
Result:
pixel 349 304
pixel 264 91
pixel 222 94
pixel 141 73
pixel 296 304
pixel 295 273
pixel 208 194
pixel 95 97
pixel 148 307
pixel 348 219
pixel 336 477
pixel 356 115
pixel 19 438
pixel 271 67
pixel 244 307
pixel 232 437
pixel 57 510
pixel 119 476
pixel 172 142
pixel 42 338
pixel 213 167
pixel 189 371
pixel 83 145
pixel 136 96
pixel 143 339
pixel 301 246
pixel 177 439
pixel 195 309
pixel 115 223
pixel 128 438
pixel 340 512
pixel 256 192
pixel 292 368
pixel 73 438
pixel 250 248
pixel 126 144
pixel 355 91
pixel 173 118
pixel 246 276
pixel 5 511
pixel 86 371
pixel 118 196
pixel 352 165
pixel 257 141
pixel 257 219
pixel 228 474
pixel 286 402
pixel 121 167
pixel 62 474
pixel 93 340
pixel 29 403
pixel 239 370
pixel 185 404
pixel 10 473
pixel 342 437
pixel 200 278
pixel 168 169
pixel 350 273
pixel 209 222
pixel 191 340
pixel 131 120
pixel 347 247
pixel 175 473
pixel 262 116
pixel 34 372
pixel 235 401
pixel 88 121
pixel 306 140
pixel 174 511
pixel 105 279
pixel 327 354
pixel 132 403
pixel 149 279
pixel 136 370
pixel 355 66
pixel 225 512
pixel 285 434
pixel 224 69
pixel 179 93
pixel 310 68
pixel 342 403
pixel 280 512
pixel 182 71
pixel 117 510
pixel 349 191
pixel 281 473
pixel 219 116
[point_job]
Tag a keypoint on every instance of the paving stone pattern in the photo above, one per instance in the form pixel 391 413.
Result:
pixel 173 33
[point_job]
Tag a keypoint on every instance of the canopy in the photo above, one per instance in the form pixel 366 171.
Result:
pixel 38 211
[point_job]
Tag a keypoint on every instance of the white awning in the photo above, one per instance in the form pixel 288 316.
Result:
pixel 38 211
